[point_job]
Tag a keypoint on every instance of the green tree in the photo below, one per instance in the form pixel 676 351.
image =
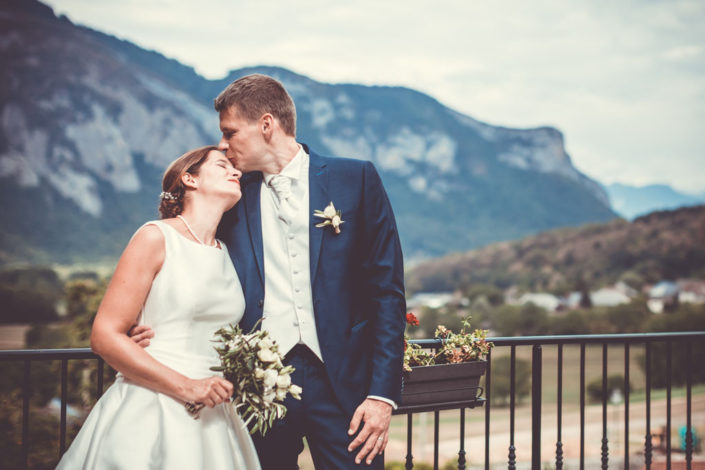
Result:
pixel 501 369
pixel 614 382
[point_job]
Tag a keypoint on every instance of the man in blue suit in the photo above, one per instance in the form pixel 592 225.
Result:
pixel 316 248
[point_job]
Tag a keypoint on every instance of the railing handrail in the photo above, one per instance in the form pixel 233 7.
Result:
pixel 47 354
pixel 575 339
pixel 87 353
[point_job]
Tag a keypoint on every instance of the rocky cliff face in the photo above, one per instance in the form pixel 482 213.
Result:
pixel 88 122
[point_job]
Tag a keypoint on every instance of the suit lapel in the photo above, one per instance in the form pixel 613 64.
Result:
pixel 318 199
pixel 254 220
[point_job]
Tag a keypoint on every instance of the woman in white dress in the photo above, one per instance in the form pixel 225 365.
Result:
pixel 175 276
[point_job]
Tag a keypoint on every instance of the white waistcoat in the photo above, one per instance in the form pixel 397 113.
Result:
pixel 288 303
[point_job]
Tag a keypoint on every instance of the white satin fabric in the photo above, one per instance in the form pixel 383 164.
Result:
pixel 196 292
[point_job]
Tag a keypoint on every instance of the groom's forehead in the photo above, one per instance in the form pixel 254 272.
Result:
pixel 231 117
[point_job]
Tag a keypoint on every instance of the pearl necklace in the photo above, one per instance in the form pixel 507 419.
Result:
pixel 188 227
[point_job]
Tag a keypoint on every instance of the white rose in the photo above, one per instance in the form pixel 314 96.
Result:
pixel 281 394
pixel 270 378
pixel 266 343
pixel 335 221
pixel 329 211
pixel 269 397
pixel 259 373
pixel 266 355
pixel 295 390
pixel 283 381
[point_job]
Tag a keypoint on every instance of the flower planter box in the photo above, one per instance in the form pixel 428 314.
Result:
pixel 442 383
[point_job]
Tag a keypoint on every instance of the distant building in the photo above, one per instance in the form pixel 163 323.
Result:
pixel 662 295
pixel 609 297
pixel 691 291
pixel 546 301
pixel 432 299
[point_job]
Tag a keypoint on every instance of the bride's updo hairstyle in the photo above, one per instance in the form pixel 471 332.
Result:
pixel 173 189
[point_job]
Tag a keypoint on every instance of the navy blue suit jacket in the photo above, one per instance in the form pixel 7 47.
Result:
pixel 357 276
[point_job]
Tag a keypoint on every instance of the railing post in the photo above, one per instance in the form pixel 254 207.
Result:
pixel 26 393
pixel 511 463
pixel 536 407
pixel 648 446
pixel 64 399
pixel 582 406
pixel 669 373
pixel 689 410
pixel 461 452
pixel 626 404
pixel 436 433
pixel 488 392
pixel 409 431
pixel 604 448
pixel 559 411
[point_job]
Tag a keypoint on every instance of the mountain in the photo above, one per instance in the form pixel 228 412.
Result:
pixel 632 201
pixel 654 247
pixel 88 122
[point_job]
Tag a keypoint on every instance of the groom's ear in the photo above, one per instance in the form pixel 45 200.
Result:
pixel 267 125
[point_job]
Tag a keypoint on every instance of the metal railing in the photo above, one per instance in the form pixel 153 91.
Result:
pixel 647 341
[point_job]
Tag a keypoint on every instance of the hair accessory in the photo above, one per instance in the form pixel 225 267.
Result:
pixel 168 195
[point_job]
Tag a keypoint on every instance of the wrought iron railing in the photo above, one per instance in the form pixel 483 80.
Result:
pixel 686 340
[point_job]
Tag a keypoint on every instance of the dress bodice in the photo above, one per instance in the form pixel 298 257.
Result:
pixel 195 293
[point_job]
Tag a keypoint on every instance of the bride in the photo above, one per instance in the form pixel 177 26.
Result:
pixel 175 276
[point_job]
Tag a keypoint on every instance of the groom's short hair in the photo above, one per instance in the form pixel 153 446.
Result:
pixel 257 94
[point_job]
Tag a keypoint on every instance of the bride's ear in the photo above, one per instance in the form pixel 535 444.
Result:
pixel 190 181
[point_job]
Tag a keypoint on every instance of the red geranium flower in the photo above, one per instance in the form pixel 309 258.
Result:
pixel 411 319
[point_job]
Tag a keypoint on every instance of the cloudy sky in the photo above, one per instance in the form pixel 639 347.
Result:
pixel 624 80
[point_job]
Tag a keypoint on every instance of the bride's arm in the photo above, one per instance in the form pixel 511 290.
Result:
pixel 123 300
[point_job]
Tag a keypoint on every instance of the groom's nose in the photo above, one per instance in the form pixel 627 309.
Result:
pixel 223 144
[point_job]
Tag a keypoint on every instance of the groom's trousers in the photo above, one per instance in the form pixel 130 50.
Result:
pixel 317 416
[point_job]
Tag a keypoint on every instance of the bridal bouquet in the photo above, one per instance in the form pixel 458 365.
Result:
pixel 252 363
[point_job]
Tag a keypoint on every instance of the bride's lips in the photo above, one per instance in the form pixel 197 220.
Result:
pixel 235 181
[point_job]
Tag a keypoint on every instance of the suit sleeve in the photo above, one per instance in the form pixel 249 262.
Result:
pixel 383 271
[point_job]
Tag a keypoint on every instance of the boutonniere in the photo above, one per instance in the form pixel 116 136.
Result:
pixel 332 216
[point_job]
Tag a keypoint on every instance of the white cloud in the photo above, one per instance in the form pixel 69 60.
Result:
pixel 622 80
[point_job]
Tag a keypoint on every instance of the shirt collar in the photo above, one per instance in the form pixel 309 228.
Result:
pixel 293 169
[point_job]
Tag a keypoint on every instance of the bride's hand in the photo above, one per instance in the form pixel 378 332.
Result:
pixel 210 391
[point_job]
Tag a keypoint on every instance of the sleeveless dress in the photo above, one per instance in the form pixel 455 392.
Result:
pixel 195 293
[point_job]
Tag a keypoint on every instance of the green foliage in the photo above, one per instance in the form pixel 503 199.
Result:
pixel 492 294
pixel 663 245
pixel 430 318
pixel 686 318
pixel 29 295
pixel 526 320
pixel 83 297
pixel 614 382
pixel 44 436
pixel 501 374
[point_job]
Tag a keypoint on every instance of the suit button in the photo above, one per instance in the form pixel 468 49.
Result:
pixel 260 303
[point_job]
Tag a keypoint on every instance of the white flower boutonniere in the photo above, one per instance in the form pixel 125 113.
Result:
pixel 332 216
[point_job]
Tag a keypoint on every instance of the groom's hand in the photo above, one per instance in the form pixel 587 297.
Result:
pixel 376 415
pixel 141 334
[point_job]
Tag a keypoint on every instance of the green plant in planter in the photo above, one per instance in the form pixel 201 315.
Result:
pixel 456 347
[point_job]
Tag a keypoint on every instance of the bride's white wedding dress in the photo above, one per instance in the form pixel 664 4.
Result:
pixel 196 292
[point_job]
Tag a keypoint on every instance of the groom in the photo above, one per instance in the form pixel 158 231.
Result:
pixel 332 296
